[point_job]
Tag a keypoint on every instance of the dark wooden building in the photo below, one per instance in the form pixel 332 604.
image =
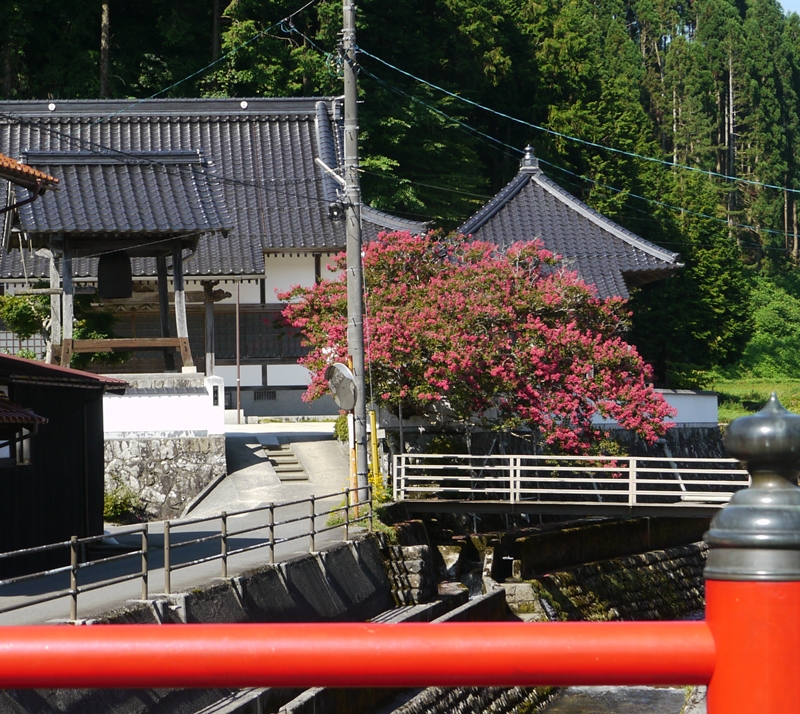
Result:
pixel 51 456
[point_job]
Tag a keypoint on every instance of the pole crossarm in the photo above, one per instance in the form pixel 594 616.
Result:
pixel 357 655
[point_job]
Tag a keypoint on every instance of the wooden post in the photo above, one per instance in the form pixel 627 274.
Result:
pixel 181 325
pixel 67 304
pixel 55 309
pixel 105 49
pixel 163 309
pixel 208 293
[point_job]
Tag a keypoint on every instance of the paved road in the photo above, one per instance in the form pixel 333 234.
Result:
pixel 252 483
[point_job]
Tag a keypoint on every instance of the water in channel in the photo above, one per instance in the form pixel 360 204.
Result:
pixel 618 700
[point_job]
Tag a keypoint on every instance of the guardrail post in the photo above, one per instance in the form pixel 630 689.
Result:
pixel 312 514
pixel 224 542
pixel 347 513
pixel 271 533
pixel 371 513
pixel 73 578
pixel 515 479
pixel 631 481
pixel 167 559
pixel 753 571
pixel 145 567
pixel 398 476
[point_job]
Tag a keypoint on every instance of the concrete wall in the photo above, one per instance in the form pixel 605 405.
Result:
pixel 173 403
pixel 280 401
pixel 345 582
pixel 165 439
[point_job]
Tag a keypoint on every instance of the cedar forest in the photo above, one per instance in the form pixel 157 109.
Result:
pixel 679 120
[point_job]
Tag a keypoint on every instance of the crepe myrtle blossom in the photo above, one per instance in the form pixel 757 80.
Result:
pixel 508 337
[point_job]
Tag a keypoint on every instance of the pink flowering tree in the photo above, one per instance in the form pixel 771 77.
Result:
pixel 459 328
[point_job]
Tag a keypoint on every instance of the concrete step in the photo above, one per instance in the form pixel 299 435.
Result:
pixel 269 442
pixel 283 458
pixel 287 466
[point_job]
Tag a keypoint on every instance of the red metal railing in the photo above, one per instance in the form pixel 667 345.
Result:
pixel 357 655
pixel 744 651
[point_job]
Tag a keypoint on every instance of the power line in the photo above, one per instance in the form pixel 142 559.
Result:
pixel 138 159
pixel 496 143
pixel 288 19
pixel 585 142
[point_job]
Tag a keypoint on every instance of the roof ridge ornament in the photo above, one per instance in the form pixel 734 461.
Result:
pixel 529 161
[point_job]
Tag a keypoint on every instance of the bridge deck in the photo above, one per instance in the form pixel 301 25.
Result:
pixel 675 510
pixel 566 485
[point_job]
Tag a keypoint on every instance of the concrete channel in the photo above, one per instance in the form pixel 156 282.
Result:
pixel 634 569
pixel 369 579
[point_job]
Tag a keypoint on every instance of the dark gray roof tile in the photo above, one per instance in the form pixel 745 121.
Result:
pixel 601 251
pixel 257 172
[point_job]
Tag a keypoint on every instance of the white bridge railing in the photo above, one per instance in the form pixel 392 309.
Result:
pixel 568 480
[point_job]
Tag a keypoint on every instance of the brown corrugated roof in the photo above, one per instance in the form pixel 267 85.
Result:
pixel 19 369
pixel 11 413
pixel 25 176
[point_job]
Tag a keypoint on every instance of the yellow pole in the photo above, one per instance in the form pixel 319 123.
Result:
pixel 376 466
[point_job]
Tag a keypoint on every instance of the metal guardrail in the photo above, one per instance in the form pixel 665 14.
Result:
pixel 347 509
pixel 568 480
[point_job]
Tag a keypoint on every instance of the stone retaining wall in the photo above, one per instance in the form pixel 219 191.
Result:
pixel 659 585
pixel 165 472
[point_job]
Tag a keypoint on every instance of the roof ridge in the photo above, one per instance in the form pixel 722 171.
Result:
pixel 496 203
pixel 598 218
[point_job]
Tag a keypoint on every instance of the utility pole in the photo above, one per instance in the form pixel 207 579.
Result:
pixel 352 191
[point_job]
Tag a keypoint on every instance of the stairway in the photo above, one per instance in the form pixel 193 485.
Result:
pixel 287 466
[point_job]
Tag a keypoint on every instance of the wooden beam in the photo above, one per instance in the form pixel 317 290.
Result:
pixel 130 344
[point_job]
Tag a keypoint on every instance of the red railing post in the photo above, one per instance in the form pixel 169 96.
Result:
pixel 753 571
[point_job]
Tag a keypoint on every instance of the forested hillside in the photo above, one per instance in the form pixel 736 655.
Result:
pixel 679 120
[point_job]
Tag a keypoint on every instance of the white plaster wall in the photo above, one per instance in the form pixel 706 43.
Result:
pixel 166 412
pixel 287 375
pixel 284 272
pixel 328 274
pixel 250 375
pixel 249 292
pixel 693 407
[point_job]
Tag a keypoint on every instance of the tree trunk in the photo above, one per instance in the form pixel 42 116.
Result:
pixel 105 42
pixel 216 32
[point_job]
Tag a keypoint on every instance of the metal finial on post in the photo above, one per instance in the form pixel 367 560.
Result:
pixel 757 537
pixel 753 570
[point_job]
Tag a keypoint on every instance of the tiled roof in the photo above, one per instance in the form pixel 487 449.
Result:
pixel 11 413
pixel 258 157
pixel 25 176
pixel 601 251
pixel 19 370
pixel 143 194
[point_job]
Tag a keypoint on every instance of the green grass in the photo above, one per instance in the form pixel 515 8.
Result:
pixel 739 397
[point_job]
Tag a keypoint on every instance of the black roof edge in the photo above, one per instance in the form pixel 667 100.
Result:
pixel 120 108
